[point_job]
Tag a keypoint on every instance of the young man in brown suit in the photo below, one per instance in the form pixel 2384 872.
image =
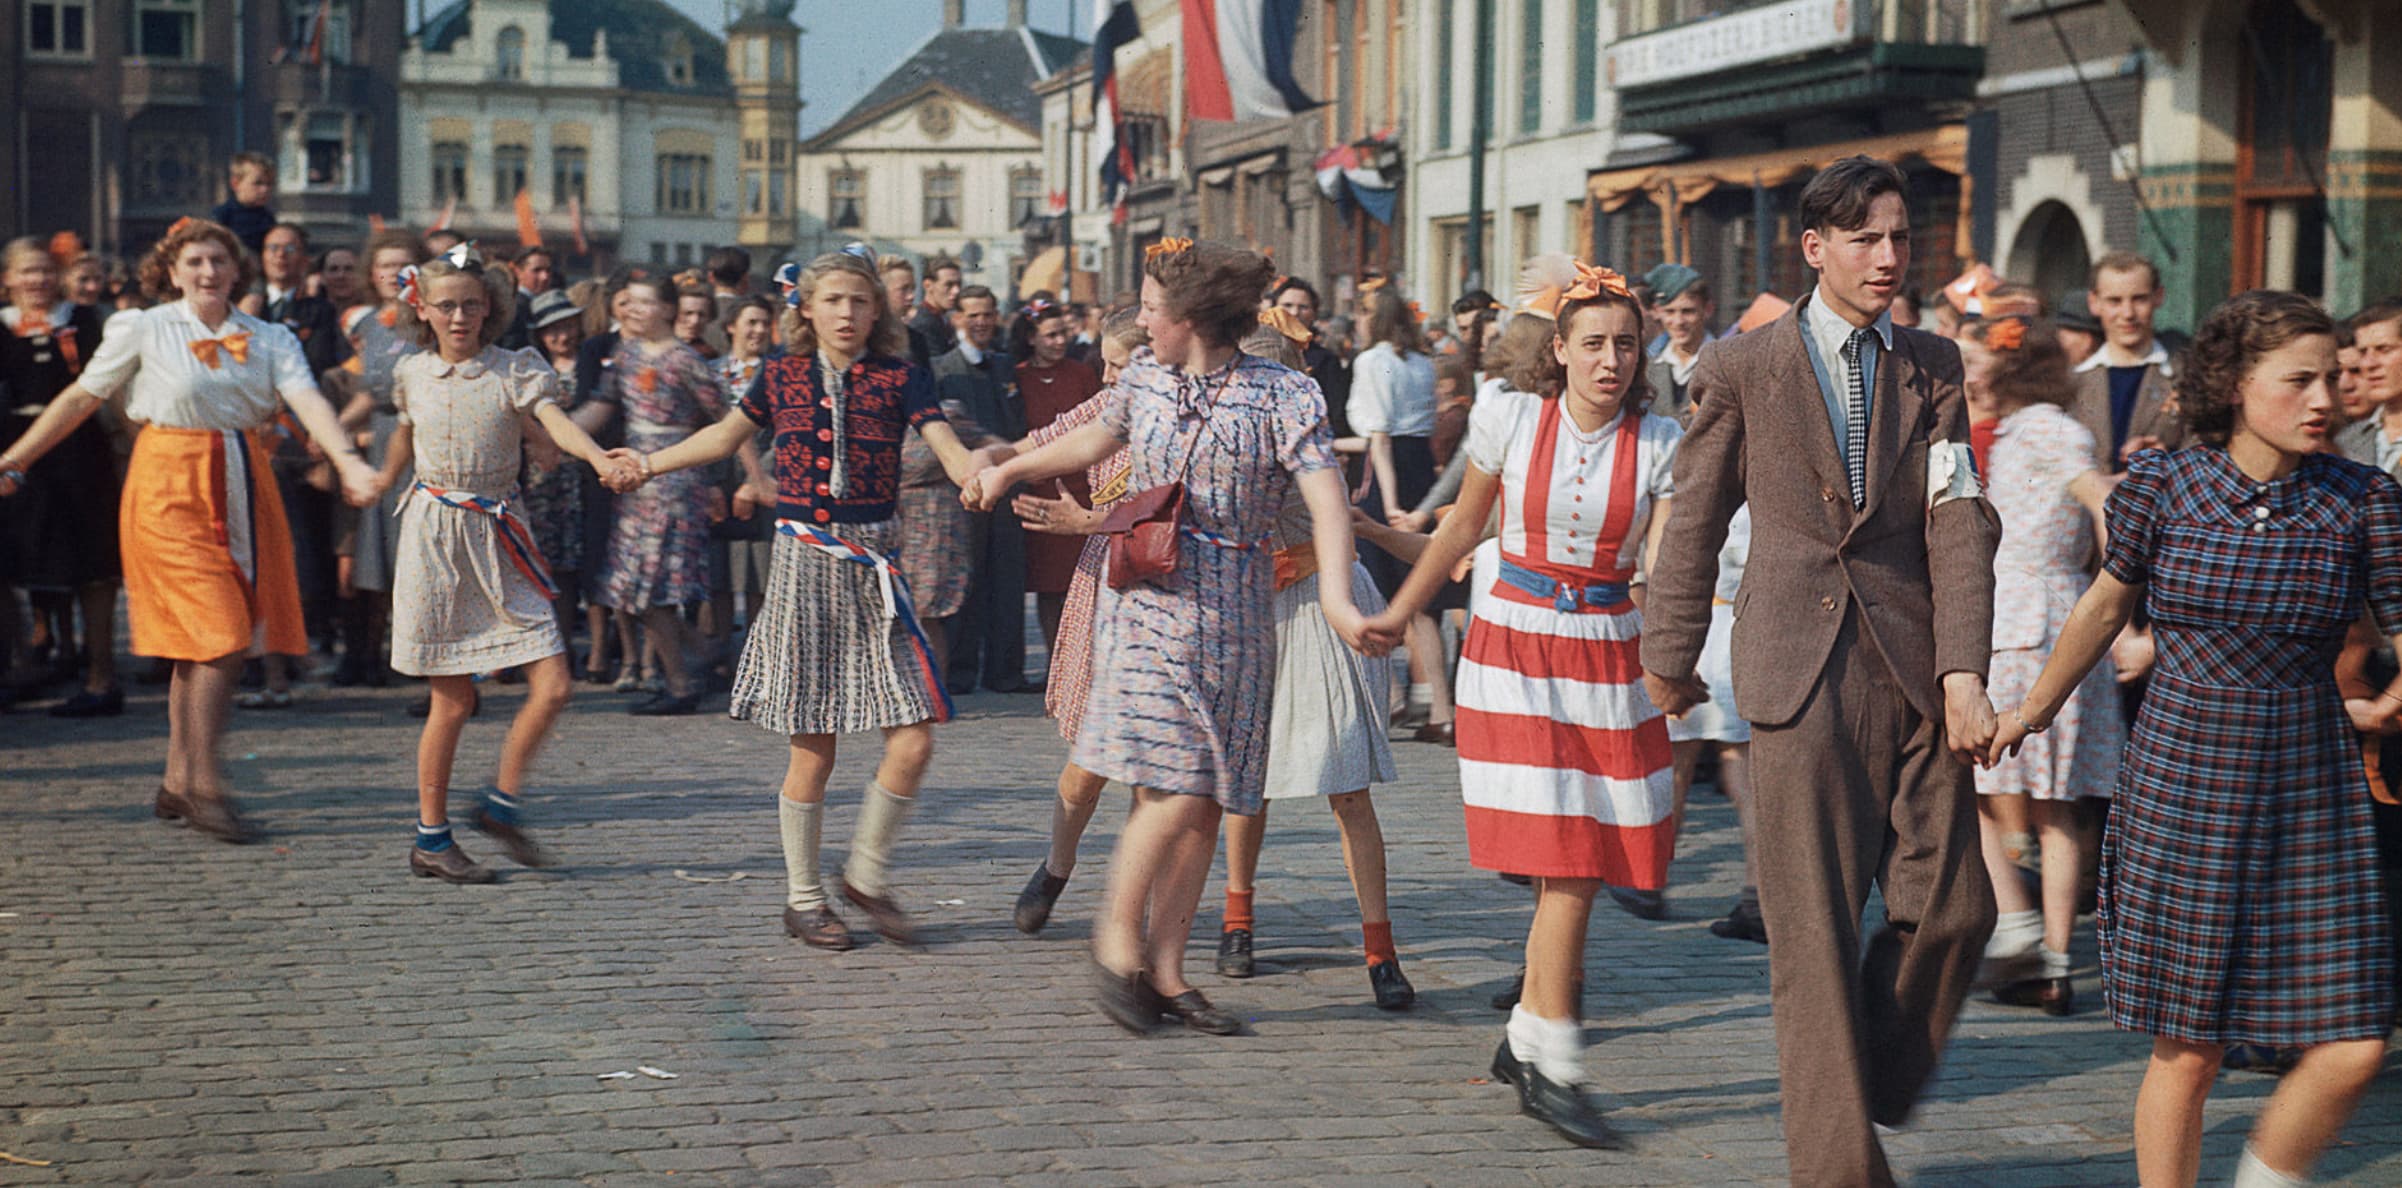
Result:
pixel 2123 389
pixel 1861 638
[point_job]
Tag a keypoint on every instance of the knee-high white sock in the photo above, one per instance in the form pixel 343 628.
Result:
pixel 1556 1047
pixel 2015 934
pixel 803 825
pixel 880 820
pixel 2252 1173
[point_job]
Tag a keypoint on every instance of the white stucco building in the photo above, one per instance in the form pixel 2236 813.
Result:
pixel 626 107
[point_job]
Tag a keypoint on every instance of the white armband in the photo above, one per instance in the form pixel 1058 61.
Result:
pixel 1951 474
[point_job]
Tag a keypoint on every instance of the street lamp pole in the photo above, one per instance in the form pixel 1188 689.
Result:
pixel 1480 131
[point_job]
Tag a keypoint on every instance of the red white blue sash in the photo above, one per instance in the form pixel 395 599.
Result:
pixel 897 604
pixel 516 540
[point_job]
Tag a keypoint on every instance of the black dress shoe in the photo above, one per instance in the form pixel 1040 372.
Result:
pixel 1643 905
pixel 449 864
pixel 665 705
pixel 1508 997
pixel 1234 953
pixel 883 914
pixel 2056 996
pixel 1197 1013
pixel 1127 999
pixel 1442 734
pixel 167 806
pixel 87 704
pixel 1741 923
pixel 1565 1108
pixel 521 848
pixel 1393 991
pixel 1036 901
pixel 216 817
pixel 1507 1068
pixel 818 928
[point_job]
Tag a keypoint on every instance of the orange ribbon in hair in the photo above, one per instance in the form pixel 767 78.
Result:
pixel 2007 334
pixel 212 350
pixel 1371 285
pixel 177 227
pixel 65 248
pixel 1593 282
pixel 1417 312
pixel 1173 245
pixel 1286 324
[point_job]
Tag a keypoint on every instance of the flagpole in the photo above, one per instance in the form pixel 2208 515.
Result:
pixel 1480 131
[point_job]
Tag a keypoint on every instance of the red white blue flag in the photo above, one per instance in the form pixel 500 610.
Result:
pixel 1238 59
pixel 1114 24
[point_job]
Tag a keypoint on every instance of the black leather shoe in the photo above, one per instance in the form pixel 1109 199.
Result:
pixel 1565 1108
pixel 1234 953
pixel 665 705
pixel 1127 999
pixel 167 806
pixel 449 864
pixel 1741 923
pixel 2056 996
pixel 1393 991
pixel 87 704
pixel 1643 905
pixel 216 817
pixel 512 838
pixel 1509 995
pixel 1197 1013
pixel 1507 1068
pixel 883 914
pixel 818 928
pixel 1036 901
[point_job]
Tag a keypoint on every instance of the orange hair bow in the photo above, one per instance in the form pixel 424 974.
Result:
pixel 65 248
pixel 1372 284
pixel 207 350
pixel 177 227
pixel 1173 245
pixel 1417 312
pixel 1286 324
pixel 2008 334
pixel 1592 282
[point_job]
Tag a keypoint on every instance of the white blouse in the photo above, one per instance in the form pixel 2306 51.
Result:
pixel 151 350
pixel 1392 393
pixel 1501 441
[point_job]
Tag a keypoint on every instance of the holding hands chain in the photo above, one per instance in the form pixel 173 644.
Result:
pixel 626 470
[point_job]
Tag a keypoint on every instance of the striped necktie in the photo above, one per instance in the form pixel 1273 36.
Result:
pixel 1855 417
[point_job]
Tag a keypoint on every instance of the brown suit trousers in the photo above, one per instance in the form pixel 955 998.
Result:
pixel 1846 623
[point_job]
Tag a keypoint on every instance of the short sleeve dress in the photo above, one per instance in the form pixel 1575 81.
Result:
pixel 471 593
pixel 658 552
pixel 1565 767
pixel 1184 666
pixel 1071 675
pixel 2240 897
pixel 375 541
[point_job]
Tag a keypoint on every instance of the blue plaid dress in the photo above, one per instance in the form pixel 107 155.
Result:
pixel 2240 891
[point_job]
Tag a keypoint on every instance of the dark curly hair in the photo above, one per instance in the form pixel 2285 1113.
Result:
pixel 158 267
pixel 1215 286
pixel 2229 344
pixel 1546 370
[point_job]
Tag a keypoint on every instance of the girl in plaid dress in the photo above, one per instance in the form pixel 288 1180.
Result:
pixel 2240 890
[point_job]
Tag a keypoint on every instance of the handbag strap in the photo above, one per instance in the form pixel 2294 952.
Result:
pixel 1209 419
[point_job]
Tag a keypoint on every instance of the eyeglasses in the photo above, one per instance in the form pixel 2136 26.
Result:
pixel 284 249
pixel 452 309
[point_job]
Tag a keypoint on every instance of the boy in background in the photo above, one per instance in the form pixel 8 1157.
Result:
pixel 251 178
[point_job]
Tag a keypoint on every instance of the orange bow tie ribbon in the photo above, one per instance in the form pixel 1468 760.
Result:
pixel 2008 334
pixel 1173 245
pixel 1286 324
pixel 33 325
pixel 1592 282
pixel 207 350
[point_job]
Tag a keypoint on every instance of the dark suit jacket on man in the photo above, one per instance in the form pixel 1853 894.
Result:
pixel 2091 407
pixel 314 321
pixel 1922 580
pixel 989 636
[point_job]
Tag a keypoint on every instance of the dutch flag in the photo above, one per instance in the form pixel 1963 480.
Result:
pixel 1238 59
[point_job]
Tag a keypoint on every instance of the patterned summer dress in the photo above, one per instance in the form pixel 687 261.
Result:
pixel 468 593
pixel 1327 733
pixel 554 498
pixel 1071 677
pixel 658 551
pixel 1183 668
pixel 2038 576
pixel 376 542
pixel 1564 764
pixel 2240 891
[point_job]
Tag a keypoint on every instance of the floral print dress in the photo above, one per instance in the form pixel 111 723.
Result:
pixel 658 553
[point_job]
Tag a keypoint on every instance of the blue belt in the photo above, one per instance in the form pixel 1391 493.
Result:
pixel 1565 598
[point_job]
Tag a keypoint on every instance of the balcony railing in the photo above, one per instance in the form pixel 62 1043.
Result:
pixel 1721 63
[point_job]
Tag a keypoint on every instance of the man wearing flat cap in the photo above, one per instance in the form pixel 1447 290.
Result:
pixel 1686 310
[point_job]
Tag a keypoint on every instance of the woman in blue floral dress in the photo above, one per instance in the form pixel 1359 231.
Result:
pixel 657 561
pixel 1184 665
pixel 2241 901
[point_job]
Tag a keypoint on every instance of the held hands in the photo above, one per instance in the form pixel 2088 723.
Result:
pixel 749 498
pixel 623 471
pixel 1349 624
pixel 1378 636
pixel 1058 517
pixel 1674 696
pixel 1969 729
pixel 716 509
pixel 983 489
pixel 361 484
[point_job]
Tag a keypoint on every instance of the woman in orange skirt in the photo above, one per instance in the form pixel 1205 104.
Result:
pixel 208 559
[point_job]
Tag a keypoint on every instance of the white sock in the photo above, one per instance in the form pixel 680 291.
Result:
pixel 2252 1173
pixel 2015 933
pixel 803 825
pixel 1422 693
pixel 2055 965
pixel 1556 1047
pixel 880 819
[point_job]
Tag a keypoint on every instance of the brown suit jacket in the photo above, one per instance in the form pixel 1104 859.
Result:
pixel 2091 407
pixel 1922 581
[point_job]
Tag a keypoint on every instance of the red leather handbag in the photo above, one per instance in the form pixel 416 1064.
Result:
pixel 1142 530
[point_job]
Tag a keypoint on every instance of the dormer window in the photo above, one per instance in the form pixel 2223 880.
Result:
pixel 679 61
pixel 509 52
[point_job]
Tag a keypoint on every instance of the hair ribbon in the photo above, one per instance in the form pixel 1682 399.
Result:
pixel 408 285
pixel 1282 322
pixel 1173 245
pixel 1594 282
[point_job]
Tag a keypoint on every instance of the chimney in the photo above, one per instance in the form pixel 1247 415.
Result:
pixel 1017 14
pixel 954 13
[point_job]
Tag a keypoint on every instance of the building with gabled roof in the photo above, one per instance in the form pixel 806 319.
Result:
pixel 943 155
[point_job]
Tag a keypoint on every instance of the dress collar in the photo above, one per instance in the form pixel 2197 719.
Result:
pixel 2156 357
pixel 2235 487
pixel 470 369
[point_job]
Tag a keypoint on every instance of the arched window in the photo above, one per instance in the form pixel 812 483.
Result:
pixel 510 51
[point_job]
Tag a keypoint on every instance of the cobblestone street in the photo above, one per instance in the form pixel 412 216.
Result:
pixel 302 1009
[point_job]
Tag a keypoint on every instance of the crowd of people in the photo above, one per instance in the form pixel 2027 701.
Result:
pixel 2006 610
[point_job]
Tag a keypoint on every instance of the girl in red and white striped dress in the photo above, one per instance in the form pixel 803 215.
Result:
pixel 1564 764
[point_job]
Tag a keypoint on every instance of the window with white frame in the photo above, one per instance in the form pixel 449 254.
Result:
pixel 327 158
pixel 1025 197
pixel 58 28
pixel 942 200
pixel 510 171
pixel 683 183
pixel 568 165
pixel 164 30
pixel 320 31
pixel 846 205
pixel 450 171
pixel 509 49
pixel 779 192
